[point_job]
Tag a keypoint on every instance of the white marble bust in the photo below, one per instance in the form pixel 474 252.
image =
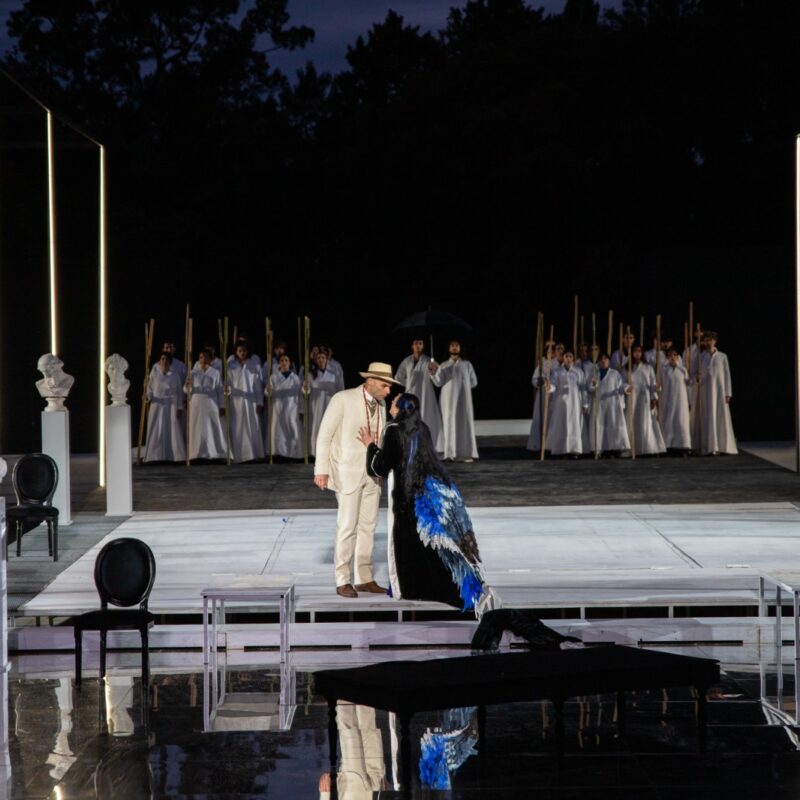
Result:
pixel 118 386
pixel 55 385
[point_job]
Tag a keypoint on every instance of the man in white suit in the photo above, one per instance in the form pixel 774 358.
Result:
pixel 341 465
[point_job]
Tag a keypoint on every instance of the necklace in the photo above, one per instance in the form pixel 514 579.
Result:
pixel 369 419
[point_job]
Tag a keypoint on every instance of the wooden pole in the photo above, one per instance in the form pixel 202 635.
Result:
pixel 596 393
pixel 631 427
pixel 641 333
pixel 610 332
pixel 307 365
pixel 268 324
pixel 189 334
pixel 575 328
pixel 537 366
pixel 691 331
pixel 583 335
pixel 699 394
pixel 148 349
pixel 658 366
pixel 225 401
pixel 546 401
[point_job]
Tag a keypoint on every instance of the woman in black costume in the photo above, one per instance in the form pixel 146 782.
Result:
pixel 433 554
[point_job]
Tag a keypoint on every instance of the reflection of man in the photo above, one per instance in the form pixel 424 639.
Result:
pixel 415 373
pixel 341 465
pixel 55 385
pixel 362 770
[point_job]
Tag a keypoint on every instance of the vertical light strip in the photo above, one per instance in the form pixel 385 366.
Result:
pixel 51 220
pixel 797 299
pixel 101 450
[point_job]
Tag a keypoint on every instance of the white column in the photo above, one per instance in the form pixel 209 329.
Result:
pixel 119 475
pixel 55 443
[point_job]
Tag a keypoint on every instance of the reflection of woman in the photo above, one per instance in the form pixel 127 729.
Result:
pixel 433 554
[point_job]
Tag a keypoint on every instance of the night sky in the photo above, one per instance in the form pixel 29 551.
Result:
pixel 637 167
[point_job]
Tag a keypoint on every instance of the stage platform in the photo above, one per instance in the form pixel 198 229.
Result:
pixel 568 562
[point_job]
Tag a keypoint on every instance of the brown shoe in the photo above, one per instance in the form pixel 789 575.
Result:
pixel 346 590
pixel 370 587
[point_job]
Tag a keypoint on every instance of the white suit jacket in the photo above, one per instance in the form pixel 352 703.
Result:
pixel 340 453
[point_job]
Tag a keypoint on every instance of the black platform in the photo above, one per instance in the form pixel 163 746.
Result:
pixel 406 687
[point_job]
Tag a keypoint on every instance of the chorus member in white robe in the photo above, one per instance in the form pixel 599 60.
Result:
pixel 414 373
pixel 164 428
pixel 609 429
pixel 177 365
pixel 285 394
pixel 673 404
pixel 647 438
pixel 205 391
pixel 619 358
pixel 692 358
pixel 570 404
pixel 216 362
pixel 253 359
pixel 246 392
pixel 666 346
pixel 546 367
pixel 590 369
pixel 456 378
pixel 321 385
pixel 715 392
pixel 336 368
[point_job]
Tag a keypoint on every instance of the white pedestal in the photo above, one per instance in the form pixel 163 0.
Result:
pixel 119 474
pixel 55 442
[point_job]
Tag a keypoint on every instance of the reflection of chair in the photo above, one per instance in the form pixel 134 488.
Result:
pixel 35 477
pixel 124 572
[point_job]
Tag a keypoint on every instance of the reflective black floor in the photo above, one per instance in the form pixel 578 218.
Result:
pixel 105 742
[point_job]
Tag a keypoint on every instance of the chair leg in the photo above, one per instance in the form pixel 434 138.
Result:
pixel 19 538
pixel 103 635
pixel 55 539
pixel 78 655
pixel 49 537
pixel 145 658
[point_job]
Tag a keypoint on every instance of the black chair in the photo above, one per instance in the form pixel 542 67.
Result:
pixel 35 477
pixel 124 572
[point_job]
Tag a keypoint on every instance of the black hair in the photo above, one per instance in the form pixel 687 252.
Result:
pixel 208 352
pixel 321 348
pixel 166 354
pixel 419 454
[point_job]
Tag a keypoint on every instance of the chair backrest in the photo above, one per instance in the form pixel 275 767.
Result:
pixel 35 477
pixel 124 571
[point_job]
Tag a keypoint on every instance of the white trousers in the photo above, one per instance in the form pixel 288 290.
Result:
pixel 355 533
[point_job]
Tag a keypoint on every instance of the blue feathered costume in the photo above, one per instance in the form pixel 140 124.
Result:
pixel 432 542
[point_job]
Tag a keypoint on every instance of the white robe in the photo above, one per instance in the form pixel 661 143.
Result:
pixel 619 360
pixel 286 437
pixel 246 397
pixel 565 428
pixel 206 437
pixel 673 407
pixel 714 414
pixel 322 388
pixel 590 369
pixel 647 438
pixel 336 368
pixel 164 429
pixel 176 366
pixel 610 425
pixel 535 436
pixel 416 379
pixel 457 379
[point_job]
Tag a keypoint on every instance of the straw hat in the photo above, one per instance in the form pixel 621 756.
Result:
pixel 380 371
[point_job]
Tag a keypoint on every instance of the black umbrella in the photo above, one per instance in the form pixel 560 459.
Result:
pixel 430 322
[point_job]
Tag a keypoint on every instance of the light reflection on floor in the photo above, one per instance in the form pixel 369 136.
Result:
pixel 106 742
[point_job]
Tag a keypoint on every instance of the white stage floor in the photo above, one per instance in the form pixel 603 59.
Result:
pixel 542 557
